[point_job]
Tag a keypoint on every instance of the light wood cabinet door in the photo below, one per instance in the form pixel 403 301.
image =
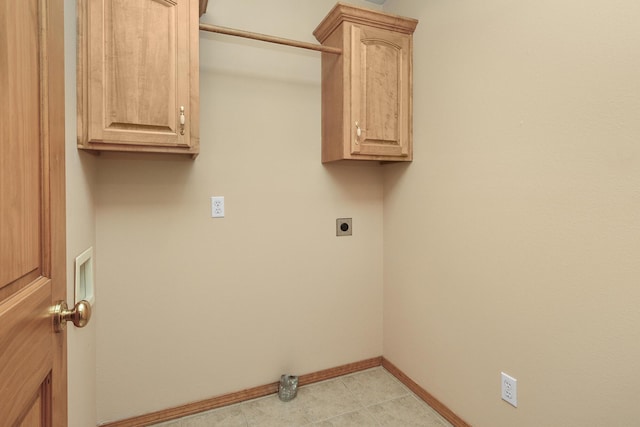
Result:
pixel 138 75
pixel 367 90
pixel 380 93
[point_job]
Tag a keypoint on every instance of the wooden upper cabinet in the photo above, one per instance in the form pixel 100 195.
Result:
pixel 366 91
pixel 138 75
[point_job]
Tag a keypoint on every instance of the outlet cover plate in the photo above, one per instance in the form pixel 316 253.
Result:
pixel 217 207
pixel 509 389
pixel 343 227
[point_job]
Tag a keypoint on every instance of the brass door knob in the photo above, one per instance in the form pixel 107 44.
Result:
pixel 79 315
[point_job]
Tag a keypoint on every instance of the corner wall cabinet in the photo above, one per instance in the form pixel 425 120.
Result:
pixel 138 76
pixel 367 91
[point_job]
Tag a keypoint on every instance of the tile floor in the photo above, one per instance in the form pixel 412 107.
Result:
pixel 368 398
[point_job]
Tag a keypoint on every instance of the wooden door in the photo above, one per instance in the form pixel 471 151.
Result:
pixel 138 65
pixel 381 92
pixel 32 213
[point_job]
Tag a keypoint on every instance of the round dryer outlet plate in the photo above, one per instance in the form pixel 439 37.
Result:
pixel 343 227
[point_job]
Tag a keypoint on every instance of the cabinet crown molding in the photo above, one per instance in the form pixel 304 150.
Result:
pixel 342 12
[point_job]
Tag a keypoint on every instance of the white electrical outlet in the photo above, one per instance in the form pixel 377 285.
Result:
pixel 509 389
pixel 217 207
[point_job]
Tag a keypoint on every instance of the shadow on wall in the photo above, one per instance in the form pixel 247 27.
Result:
pixel 361 174
pixel 393 174
pixel 220 54
pixel 142 178
pixel 354 179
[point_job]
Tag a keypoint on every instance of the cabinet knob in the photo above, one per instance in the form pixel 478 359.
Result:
pixel 182 120
pixel 358 132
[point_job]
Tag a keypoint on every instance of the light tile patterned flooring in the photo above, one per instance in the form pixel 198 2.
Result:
pixel 368 398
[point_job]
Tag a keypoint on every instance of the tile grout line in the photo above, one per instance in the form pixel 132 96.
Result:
pixel 362 406
pixel 360 400
pixel 340 380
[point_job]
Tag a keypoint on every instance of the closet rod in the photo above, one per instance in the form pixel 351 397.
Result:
pixel 270 39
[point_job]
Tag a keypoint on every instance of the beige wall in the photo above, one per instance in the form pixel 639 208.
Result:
pixel 80 188
pixel 513 240
pixel 192 307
